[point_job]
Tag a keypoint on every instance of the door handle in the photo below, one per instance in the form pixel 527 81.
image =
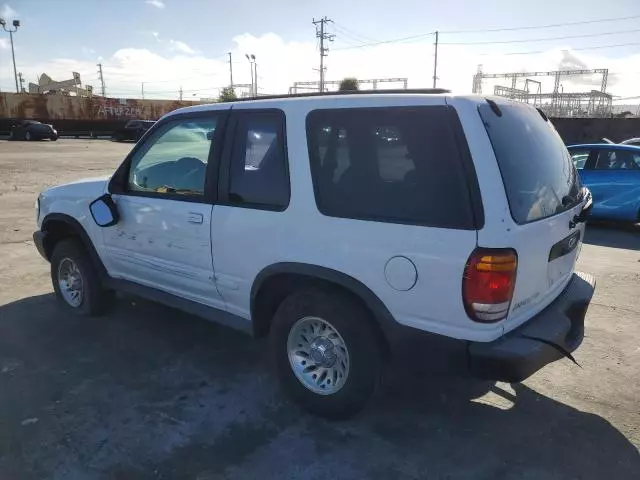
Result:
pixel 195 217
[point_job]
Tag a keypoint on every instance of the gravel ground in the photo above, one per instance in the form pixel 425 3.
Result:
pixel 149 392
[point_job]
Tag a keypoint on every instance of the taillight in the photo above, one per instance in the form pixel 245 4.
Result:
pixel 487 286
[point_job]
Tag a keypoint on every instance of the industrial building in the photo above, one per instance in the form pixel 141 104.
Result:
pixel 557 103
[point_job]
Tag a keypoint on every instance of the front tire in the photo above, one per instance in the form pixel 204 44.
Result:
pixel 76 281
pixel 325 352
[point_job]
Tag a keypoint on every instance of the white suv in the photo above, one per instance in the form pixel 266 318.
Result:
pixel 336 223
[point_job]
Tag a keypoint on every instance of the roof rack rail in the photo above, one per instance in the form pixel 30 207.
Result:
pixel 430 91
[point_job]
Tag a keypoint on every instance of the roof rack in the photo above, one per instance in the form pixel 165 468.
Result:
pixel 430 91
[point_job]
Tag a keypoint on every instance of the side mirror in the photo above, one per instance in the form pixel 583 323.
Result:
pixel 104 211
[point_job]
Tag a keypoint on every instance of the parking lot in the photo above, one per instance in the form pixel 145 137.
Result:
pixel 149 392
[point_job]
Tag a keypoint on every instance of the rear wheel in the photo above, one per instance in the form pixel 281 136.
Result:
pixel 325 352
pixel 75 279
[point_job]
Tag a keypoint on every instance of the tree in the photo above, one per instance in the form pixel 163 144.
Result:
pixel 227 94
pixel 348 84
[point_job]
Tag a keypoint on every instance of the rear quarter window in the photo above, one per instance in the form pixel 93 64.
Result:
pixel 395 164
pixel 539 176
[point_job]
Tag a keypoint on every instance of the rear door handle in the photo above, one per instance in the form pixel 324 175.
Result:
pixel 195 217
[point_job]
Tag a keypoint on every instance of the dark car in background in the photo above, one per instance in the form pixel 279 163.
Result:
pixel 32 130
pixel 133 130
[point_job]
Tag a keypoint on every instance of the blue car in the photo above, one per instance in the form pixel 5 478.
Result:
pixel 612 174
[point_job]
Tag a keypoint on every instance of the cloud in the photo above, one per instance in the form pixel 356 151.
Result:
pixel 281 62
pixel 8 13
pixel 178 46
pixel 4 44
pixel 155 3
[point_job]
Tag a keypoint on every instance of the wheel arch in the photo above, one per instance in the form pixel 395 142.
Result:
pixel 59 226
pixel 275 282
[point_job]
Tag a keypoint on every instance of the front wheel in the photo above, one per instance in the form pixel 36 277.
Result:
pixel 325 352
pixel 75 279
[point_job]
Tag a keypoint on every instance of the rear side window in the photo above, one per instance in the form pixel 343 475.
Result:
pixel 539 176
pixel 617 160
pixel 259 176
pixel 397 164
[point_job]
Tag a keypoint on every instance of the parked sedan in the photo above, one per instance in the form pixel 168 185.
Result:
pixel 133 130
pixel 612 174
pixel 32 130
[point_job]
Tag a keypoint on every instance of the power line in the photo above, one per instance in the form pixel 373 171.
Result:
pixel 573 49
pixel 423 35
pixel 534 27
pixel 544 39
pixel 393 40
pixel 353 35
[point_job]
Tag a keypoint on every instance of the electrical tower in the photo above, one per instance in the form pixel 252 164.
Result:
pixel 101 79
pixel 321 33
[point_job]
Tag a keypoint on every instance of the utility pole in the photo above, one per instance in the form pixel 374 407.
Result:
pixel 143 90
pixel 230 71
pixel 322 35
pixel 435 63
pixel 180 93
pixel 11 31
pixel 255 74
pixel 101 79
pixel 252 60
pixel 21 80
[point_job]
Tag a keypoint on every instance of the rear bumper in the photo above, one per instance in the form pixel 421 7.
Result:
pixel 525 350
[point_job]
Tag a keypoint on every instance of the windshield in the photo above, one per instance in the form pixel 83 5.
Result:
pixel 539 177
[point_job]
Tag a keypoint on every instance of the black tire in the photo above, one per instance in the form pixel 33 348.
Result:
pixel 353 324
pixel 54 138
pixel 95 298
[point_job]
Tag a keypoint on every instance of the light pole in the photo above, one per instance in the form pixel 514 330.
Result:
pixel 16 24
pixel 252 61
pixel 255 75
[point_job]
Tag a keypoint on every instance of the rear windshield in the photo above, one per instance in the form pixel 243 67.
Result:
pixel 538 174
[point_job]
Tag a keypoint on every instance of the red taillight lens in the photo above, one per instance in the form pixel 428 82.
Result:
pixel 487 286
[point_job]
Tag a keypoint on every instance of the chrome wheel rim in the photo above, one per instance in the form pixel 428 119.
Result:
pixel 70 282
pixel 318 355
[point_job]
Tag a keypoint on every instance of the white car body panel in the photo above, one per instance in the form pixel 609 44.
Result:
pixel 156 244
pixel 73 199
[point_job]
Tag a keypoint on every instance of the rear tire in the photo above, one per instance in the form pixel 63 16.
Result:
pixel 76 281
pixel 325 352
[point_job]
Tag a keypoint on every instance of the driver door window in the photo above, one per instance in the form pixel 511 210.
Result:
pixel 174 161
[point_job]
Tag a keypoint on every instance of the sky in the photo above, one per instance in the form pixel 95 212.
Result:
pixel 174 44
